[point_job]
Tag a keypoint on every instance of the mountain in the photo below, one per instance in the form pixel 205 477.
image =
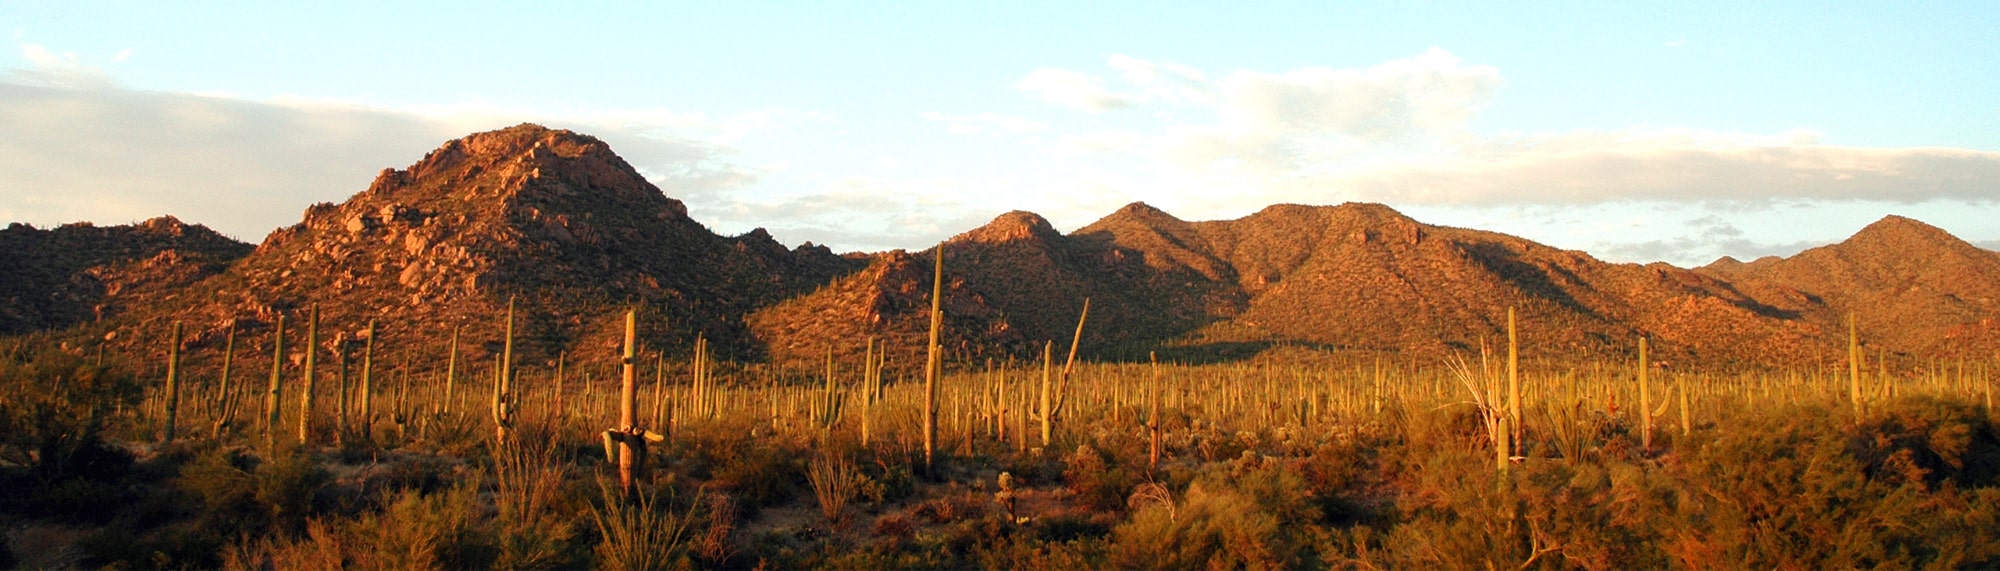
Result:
pixel 79 273
pixel 1367 277
pixel 550 218
pixel 559 223
pixel 1912 288
pixel 1011 286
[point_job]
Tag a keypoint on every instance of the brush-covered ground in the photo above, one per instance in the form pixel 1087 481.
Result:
pixel 1261 466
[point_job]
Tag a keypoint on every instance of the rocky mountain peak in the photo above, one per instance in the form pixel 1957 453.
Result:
pixel 1010 227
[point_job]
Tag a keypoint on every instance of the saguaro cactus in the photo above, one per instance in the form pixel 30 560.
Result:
pixel 1645 401
pixel 368 382
pixel 503 377
pixel 306 398
pixel 1513 383
pixel 1052 404
pixel 273 395
pixel 173 396
pixel 226 398
pixel 1854 367
pixel 626 444
pixel 931 364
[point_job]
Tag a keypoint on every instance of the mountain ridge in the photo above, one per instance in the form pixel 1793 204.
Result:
pixel 560 224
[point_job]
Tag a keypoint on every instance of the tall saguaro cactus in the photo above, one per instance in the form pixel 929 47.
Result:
pixel 312 362
pixel 274 394
pixel 368 382
pixel 931 364
pixel 173 396
pixel 1854 367
pixel 1645 402
pixel 1513 383
pixel 632 447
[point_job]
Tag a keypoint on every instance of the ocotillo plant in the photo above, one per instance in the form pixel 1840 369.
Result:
pixel 273 395
pixel 173 396
pixel 931 364
pixel 226 398
pixel 306 398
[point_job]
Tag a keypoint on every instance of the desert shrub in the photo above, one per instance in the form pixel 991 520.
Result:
pixel 1787 489
pixel 54 411
pixel 222 481
pixel 1928 441
pixel 290 486
pixel 761 474
pixel 416 531
pixel 1098 481
pixel 1211 528
pixel 641 534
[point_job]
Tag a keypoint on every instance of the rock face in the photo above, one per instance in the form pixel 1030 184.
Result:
pixel 80 273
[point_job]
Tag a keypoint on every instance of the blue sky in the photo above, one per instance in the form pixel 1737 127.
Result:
pixel 1634 131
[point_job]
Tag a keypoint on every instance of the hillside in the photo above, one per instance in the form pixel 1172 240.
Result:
pixel 80 272
pixel 1912 287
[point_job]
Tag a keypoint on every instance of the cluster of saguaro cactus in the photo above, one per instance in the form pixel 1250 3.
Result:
pixel 1052 398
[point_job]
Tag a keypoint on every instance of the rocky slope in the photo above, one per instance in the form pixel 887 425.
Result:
pixel 80 273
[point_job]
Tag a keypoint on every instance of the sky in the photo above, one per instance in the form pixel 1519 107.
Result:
pixel 1635 131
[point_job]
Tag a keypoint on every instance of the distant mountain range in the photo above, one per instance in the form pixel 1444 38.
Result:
pixel 558 222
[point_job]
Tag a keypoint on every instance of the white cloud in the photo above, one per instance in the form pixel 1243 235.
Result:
pixel 1071 89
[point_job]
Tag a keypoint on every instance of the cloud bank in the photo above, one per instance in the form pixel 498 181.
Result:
pixel 1401 132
